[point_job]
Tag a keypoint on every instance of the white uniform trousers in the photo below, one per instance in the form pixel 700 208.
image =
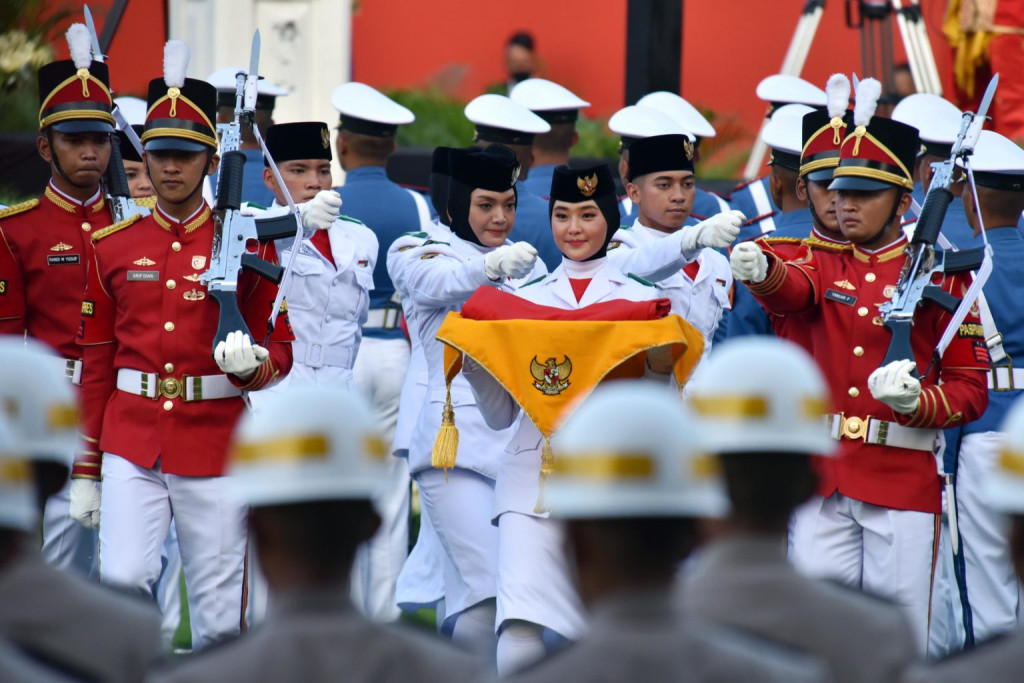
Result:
pixel 992 587
pixel 378 374
pixel 534 579
pixel 879 550
pixel 421 581
pixel 68 545
pixel 136 511
pixel 168 588
pixel 460 508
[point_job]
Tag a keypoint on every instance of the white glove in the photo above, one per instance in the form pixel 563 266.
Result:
pixel 716 232
pixel 748 262
pixel 512 261
pixel 85 502
pixel 894 386
pixel 238 356
pixel 321 211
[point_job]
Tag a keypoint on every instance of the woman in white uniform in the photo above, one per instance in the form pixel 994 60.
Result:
pixel 537 601
pixel 440 276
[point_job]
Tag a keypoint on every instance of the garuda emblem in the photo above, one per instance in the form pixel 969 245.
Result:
pixel 551 377
pixel 587 185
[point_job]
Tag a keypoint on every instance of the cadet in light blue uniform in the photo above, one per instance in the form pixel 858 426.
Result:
pixel 500 120
pixel 783 135
pixel 992 587
pixel 754 197
pixel 254 190
pixel 366 138
pixel 560 108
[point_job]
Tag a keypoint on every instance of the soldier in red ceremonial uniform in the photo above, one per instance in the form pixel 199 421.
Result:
pixel 876 527
pixel 157 406
pixel 44 244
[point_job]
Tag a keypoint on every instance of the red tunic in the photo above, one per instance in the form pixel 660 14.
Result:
pixel 838 295
pixel 43 255
pixel 146 310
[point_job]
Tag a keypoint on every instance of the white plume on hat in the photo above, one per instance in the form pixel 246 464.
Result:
pixel 80 44
pixel 868 92
pixel 176 56
pixel 838 91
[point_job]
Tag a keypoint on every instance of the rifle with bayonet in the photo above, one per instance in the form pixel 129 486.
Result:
pixel 115 184
pixel 234 232
pixel 925 261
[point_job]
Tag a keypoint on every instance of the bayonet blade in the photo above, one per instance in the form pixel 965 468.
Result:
pixel 990 92
pixel 253 77
pixel 254 55
pixel 122 124
pixel 97 53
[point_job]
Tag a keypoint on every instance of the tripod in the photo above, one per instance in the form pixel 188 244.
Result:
pixel 874 20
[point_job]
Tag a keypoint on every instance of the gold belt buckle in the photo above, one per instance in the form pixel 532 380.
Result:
pixel 854 428
pixel 170 387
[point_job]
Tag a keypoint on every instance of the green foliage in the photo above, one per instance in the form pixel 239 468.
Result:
pixel 10 197
pixel 439 119
pixel 595 139
pixel 25 31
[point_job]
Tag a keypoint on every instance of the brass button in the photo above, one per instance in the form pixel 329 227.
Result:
pixel 175 246
pixel 168 367
pixel 169 326
pixel 870 277
pixel 168 405
pixel 857 351
pixel 86 226
pixel 862 311
pixel 854 392
pixel 171 284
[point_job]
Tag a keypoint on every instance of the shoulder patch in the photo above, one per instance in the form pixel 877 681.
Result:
pixel 350 219
pixel 19 208
pixel 625 227
pixel 821 245
pixel 783 240
pixel 148 202
pixel 639 279
pixel 254 205
pixel 116 227
pixel 614 244
pixel 416 234
pixel 429 242
pixel 533 281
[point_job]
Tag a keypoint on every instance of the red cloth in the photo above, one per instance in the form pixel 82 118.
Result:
pixel 488 303
pixel 579 286
pixel 691 269
pixel 44 254
pixel 322 242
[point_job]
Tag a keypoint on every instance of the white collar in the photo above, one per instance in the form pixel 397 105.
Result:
pixel 582 270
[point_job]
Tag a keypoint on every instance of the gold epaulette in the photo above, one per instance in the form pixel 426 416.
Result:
pixel 783 240
pixel 19 208
pixel 148 202
pixel 116 227
pixel 815 243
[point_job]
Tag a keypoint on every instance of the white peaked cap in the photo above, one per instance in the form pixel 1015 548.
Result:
pixel 224 80
pixel 784 131
pixel 539 94
pixel 498 111
pixel 783 88
pixel 1004 488
pixel 936 119
pixel 637 121
pixel 365 102
pixel 761 394
pixel 686 114
pixel 632 450
pixel 133 109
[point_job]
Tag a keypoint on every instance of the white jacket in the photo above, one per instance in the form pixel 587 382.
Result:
pixel 439 277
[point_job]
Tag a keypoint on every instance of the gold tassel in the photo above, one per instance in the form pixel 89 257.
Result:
pixel 547 465
pixel 837 125
pixel 859 132
pixel 446 445
pixel 83 75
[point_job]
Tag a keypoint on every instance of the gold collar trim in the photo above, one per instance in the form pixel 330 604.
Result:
pixel 70 206
pixel 168 223
pixel 893 251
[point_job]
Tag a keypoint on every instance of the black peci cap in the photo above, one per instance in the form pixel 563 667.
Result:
pixel 304 140
pixel 493 168
pixel 661 153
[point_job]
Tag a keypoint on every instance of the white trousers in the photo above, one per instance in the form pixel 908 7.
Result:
pixel 168 588
pixel 67 544
pixel 378 374
pixel 460 509
pixel 136 511
pixel 992 587
pixel 879 550
pixel 421 581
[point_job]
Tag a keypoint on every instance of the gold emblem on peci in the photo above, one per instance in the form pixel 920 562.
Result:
pixel 325 137
pixel 689 148
pixel 551 377
pixel 588 186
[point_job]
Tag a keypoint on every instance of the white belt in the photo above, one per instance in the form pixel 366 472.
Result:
pixel 318 355
pixel 71 367
pixel 386 318
pixel 187 388
pixel 874 431
pixel 1005 378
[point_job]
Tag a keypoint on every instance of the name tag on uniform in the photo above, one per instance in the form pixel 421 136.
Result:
pixel 840 297
pixel 143 276
pixel 63 260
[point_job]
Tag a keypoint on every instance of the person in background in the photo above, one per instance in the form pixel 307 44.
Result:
pixel 520 58
pixel 560 108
